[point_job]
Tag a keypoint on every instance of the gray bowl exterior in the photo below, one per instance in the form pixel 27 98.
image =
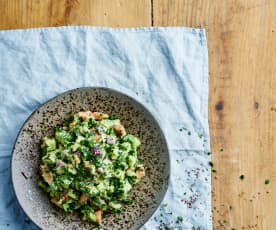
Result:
pixel 147 195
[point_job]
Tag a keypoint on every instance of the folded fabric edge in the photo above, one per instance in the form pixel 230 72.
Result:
pixel 113 29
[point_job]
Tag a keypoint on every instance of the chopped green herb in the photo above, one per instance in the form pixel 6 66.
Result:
pixel 211 163
pixel 179 219
pixel 209 153
pixel 267 181
pixel 221 150
pixel 233 229
pixel 165 204
pixel 230 207
pixel 169 228
pixel 27 221
pixel 189 133
pixel 214 171
pixel 241 177
pixel 180 130
pixel 113 117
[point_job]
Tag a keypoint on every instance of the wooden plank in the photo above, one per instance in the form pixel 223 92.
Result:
pixel 242 103
pixel 32 13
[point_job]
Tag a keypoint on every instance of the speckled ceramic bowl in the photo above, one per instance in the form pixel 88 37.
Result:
pixel 147 195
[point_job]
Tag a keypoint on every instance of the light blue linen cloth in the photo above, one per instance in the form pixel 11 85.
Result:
pixel 166 69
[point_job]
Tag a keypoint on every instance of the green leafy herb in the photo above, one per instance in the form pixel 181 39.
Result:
pixel 27 221
pixel 169 228
pixel 165 204
pixel 179 219
pixel 113 117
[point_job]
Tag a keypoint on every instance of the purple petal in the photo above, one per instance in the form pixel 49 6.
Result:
pixel 59 163
pixel 96 150
pixel 110 140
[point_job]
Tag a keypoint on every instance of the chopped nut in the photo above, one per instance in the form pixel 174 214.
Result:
pixel 119 130
pixel 99 116
pixel 77 159
pixel 48 177
pixel 65 197
pixel 92 169
pixel 85 115
pixel 97 138
pixel 73 123
pixel 100 170
pixel 140 172
pixel 86 164
pixel 69 166
pixel 83 198
pixel 98 216
pixel 54 201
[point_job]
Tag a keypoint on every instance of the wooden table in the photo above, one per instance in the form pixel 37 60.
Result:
pixel 242 73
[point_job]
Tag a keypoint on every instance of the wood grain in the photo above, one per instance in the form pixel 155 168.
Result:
pixel 242 74
pixel 41 13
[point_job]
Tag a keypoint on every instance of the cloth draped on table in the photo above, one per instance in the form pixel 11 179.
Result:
pixel 166 69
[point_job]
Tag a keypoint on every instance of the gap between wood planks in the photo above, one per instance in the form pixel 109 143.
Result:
pixel 151 9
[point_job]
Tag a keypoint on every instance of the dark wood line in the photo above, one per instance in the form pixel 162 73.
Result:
pixel 151 9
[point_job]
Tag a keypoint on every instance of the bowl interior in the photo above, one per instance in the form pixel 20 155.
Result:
pixel 147 195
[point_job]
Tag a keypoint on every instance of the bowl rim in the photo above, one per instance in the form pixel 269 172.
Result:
pixel 94 88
